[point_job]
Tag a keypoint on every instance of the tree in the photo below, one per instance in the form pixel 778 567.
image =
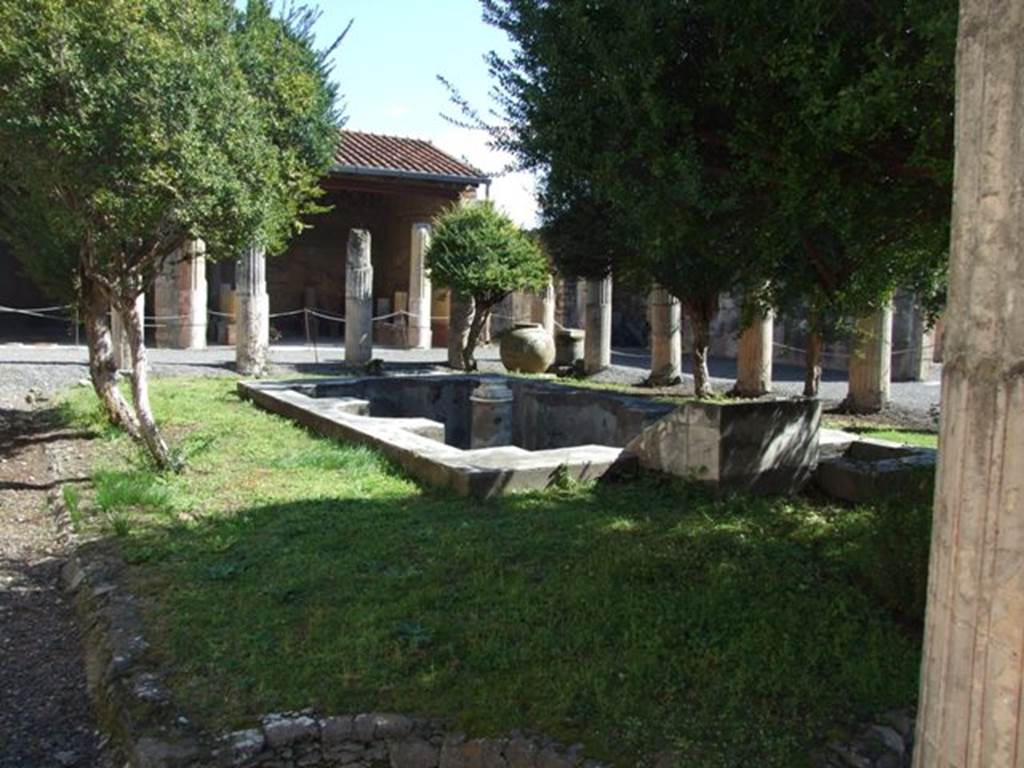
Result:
pixel 130 128
pixel 477 251
pixel 613 104
pixel 734 145
pixel 843 132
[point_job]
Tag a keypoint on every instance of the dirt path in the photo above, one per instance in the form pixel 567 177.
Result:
pixel 45 714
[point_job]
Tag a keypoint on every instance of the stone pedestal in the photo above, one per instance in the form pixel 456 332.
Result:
pixel 252 322
pixel 358 298
pixel 597 346
pixel 666 341
pixel 420 335
pixel 491 403
pixel 754 358
pixel 179 297
pixel 869 362
pixel 972 678
pixel 461 309
pixel 119 335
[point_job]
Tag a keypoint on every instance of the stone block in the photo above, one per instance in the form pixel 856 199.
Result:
pixel 336 730
pixel 475 753
pixel 414 753
pixel 391 726
pixel 283 730
pixel 763 446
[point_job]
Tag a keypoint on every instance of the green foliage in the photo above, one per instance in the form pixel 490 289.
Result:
pixel 635 617
pixel 478 251
pixel 127 128
pixel 889 543
pixel 719 145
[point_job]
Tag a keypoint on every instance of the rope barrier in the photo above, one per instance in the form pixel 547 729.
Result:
pixel 33 313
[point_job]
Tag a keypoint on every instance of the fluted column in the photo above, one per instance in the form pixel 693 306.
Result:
pixel 870 360
pixel 597 345
pixel 358 298
pixel 666 338
pixel 972 678
pixel 252 326
pixel 420 336
pixel 754 357
pixel 119 335
pixel 179 298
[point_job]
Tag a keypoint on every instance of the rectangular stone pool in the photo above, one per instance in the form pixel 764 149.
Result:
pixel 478 434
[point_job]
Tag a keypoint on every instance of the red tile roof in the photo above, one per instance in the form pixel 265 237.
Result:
pixel 378 155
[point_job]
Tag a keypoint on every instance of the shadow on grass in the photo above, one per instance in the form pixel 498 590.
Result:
pixel 634 618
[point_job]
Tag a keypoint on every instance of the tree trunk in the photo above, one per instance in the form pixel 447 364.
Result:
pixel 140 388
pixel 700 321
pixel 972 677
pixel 102 366
pixel 812 373
pixel 475 329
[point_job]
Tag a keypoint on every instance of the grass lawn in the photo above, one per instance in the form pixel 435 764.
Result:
pixel 924 439
pixel 291 571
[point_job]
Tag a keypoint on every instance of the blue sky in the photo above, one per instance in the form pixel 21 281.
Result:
pixel 387 71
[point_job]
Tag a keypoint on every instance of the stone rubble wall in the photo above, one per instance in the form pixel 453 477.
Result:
pixel 299 739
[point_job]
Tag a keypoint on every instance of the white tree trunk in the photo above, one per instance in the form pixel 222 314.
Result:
pixel 140 389
pixel 102 366
pixel 972 681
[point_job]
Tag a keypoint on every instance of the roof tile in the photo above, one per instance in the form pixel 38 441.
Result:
pixel 373 151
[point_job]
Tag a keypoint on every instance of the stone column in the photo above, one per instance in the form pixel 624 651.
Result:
pixel 666 341
pixel 913 342
pixel 460 315
pixel 252 323
pixel 179 298
pixel 547 307
pixel 119 335
pixel 972 677
pixel 358 298
pixel 597 346
pixel 420 336
pixel 754 357
pixel 869 362
pixel 580 308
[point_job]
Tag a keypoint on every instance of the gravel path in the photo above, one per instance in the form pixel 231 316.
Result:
pixel 50 367
pixel 45 711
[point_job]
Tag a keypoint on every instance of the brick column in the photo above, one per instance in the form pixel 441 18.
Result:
pixel 869 362
pixel 358 298
pixel 179 298
pixel 252 323
pixel 597 346
pixel 420 335
pixel 666 341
